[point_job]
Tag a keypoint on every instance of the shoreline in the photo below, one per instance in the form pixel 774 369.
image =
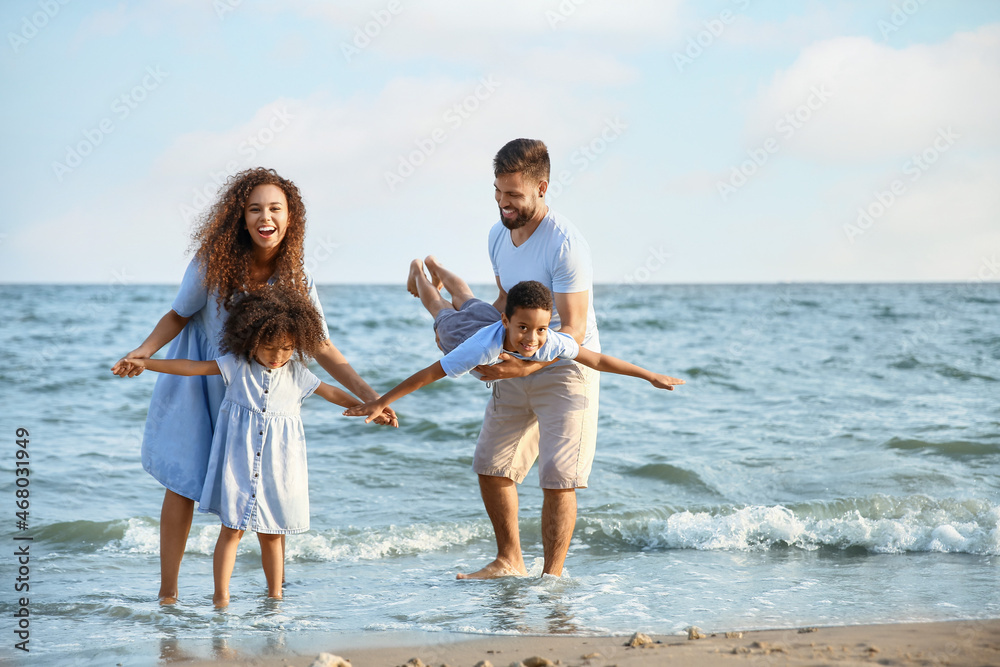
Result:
pixel 975 642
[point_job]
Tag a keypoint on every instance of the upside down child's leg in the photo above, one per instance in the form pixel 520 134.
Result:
pixel 272 559
pixel 223 562
pixel 458 289
pixel 419 286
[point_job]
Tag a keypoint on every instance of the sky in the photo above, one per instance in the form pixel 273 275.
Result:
pixel 730 141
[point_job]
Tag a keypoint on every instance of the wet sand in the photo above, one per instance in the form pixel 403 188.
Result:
pixel 972 643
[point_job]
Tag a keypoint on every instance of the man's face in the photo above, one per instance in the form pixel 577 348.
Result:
pixel 520 199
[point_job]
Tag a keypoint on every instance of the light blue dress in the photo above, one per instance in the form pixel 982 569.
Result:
pixel 182 412
pixel 257 478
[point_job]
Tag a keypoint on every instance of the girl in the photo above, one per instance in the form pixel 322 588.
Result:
pixel 251 236
pixel 256 477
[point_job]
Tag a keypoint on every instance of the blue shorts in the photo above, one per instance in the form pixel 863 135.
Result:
pixel 453 327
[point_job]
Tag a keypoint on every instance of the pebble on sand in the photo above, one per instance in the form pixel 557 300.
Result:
pixel 537 661
pixel 330 660
pixel 694 632
pixel 484 663
pixel 639 639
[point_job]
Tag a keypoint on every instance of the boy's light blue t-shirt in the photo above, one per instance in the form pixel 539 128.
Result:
pixel 485 346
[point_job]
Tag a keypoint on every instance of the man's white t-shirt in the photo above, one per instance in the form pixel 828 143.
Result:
pixel 485 346
pixel 556 255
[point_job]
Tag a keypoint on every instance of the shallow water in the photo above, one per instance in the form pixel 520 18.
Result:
pixel 833 459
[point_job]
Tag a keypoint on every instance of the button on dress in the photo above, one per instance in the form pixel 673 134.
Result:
pixel 257 477
pixel 183 410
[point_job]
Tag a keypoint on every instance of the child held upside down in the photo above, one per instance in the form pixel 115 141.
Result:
pixel 523 331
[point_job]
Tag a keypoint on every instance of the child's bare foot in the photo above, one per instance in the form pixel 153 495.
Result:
pixel 416 268
pixel 432 266
pixel 496 569
pixel 221 601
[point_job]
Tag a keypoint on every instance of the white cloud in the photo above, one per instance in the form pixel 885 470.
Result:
pixel 885 102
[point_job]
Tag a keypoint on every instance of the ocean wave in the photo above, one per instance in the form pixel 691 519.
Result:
pixel 877 524
pixel 349 544
pixel 956 449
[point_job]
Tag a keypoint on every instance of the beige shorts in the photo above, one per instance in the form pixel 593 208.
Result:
pixel 550 415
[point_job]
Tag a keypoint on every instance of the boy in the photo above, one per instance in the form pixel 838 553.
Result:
pixel 523 331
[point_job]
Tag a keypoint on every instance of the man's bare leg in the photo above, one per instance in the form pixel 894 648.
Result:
pixel 419 286
pixel 558 522
pixel 458 289
pixel 500 498
pixel 175 524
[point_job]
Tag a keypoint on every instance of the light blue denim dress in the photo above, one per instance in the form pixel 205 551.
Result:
pixel 257 478
pixel 183 410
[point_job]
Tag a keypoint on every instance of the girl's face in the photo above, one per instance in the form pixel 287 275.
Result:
pixel 275 353
pixel 266 216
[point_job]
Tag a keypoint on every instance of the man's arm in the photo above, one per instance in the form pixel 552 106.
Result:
pixel 501 301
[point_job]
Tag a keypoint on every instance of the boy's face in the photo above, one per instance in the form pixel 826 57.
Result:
pixel 527 330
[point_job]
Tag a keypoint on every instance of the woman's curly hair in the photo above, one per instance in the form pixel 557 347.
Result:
pixel 268 313
pixel 223 243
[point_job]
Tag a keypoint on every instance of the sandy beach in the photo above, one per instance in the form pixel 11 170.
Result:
pixel 972 643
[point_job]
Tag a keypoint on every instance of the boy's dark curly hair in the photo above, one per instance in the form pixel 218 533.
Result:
pixel 268 313
pixel 528 294
pixel 224 245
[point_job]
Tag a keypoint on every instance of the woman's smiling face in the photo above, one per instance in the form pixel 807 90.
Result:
pixel 266 215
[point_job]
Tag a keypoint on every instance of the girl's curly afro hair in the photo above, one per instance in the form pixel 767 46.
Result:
pixel 223 243
pixel 268 313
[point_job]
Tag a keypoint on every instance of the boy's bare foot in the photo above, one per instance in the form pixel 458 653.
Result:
pixel 220 601
pixel 432 267
pixel 496 569
pixel 168 599
pixel 416 268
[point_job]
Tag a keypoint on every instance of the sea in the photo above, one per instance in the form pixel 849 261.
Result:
pixel 833 459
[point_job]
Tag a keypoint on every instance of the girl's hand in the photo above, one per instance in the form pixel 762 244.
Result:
pixel 387 418
pixel 665 382
pixel 125 367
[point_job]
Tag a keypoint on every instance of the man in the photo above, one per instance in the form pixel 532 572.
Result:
pixel 543 410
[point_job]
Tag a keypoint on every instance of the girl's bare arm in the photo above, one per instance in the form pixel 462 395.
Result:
pixel 336 396
pixel 173 366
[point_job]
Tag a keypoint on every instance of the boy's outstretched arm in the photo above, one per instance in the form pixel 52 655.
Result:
pixel 336 396
pixel 421 378
pixel 609 364
pixel 175 366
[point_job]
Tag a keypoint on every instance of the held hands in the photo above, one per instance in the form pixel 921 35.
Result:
pixel 374 411
pixel 130 365
pixel 664 381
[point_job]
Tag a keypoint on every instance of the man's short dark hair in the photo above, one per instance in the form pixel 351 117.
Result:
pixel 527 156
pixel 528 294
